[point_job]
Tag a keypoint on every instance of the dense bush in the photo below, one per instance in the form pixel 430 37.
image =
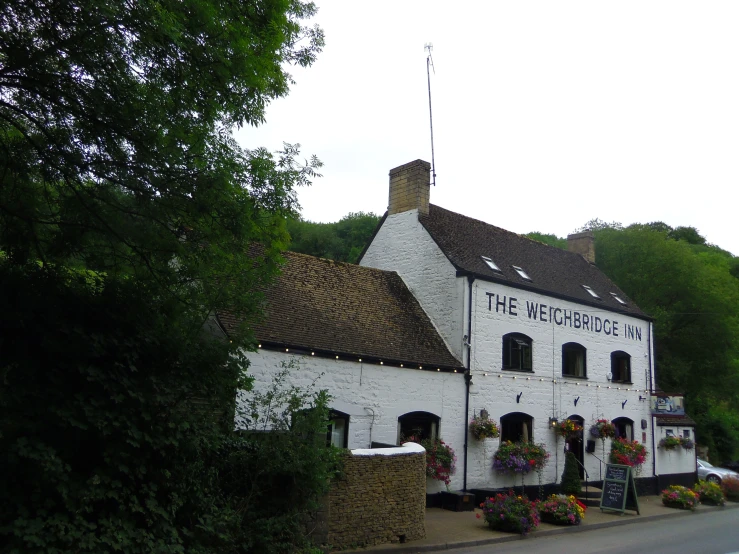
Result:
pixel 115 429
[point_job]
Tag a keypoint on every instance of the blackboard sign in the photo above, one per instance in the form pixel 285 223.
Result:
pixel 619 490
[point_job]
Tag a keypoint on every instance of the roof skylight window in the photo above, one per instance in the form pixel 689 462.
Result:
pixel 618 299
pixel 591 292
pixel 491 264
pixel 521 272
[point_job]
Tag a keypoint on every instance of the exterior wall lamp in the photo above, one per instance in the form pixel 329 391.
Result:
pixel 553 422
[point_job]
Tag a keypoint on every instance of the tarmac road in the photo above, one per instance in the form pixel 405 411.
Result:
pixel 715 532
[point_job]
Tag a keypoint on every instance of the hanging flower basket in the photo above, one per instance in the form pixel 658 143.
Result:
pixel 628 453
pixel 440 460
pixel 669 443
pixel 520 457
pixel 687 444
pixel 482 427
pixel 603 429
pixel 568 429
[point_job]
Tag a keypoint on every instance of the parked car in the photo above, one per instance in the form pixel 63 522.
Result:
pixel 733 466
pixel 714 474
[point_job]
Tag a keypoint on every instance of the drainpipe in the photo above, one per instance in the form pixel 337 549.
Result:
pixel 467 378
pixel 651 419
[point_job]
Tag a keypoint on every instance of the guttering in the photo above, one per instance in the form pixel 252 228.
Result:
pixel 651 391
pixel 467 378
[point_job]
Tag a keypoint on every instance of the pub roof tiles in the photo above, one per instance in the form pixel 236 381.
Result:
pixel 553 271
pixel 346 309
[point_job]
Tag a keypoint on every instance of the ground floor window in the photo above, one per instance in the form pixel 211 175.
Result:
pixel 419 425
pixel 516 426
pixel 337 433
pixel 624 428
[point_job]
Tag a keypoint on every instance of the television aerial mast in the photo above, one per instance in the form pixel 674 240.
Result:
pixel 430 66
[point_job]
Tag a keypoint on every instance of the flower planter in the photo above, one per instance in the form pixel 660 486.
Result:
pixel 677 505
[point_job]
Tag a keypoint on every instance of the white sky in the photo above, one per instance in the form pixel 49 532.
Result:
pixel 546 114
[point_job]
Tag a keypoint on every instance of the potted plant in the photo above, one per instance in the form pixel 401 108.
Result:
pixel 561 509
pixel 511 513
pixel 670 443
pixel 710 493
pixel 568 428
pixel 687 444
pixel 677 496
pixel 482 427
pixel 628 453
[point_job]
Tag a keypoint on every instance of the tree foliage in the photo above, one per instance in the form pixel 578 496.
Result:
pixel 127 215
pixel 341 241
pixel 688 288
pixel 116 146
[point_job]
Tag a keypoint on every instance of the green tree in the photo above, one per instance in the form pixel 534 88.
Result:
pixel 116 147
pixel 550 239
pixel 127 215
pixel 689 290
pixel 342 241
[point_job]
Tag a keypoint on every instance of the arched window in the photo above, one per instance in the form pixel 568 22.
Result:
pixel 517 352
pixel 624 428
pixel 419 425
pixel 337 433
pixel 573 360
pixel 620 367
pixel 516 426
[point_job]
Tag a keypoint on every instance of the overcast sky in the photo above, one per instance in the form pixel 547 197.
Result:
pixel 546 114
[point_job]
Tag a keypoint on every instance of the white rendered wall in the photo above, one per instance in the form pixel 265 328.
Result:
pixel 678 460
pixel 542 398
pixel 403 245
pixel 375 396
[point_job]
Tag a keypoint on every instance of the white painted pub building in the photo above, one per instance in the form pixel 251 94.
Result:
pixel 446 316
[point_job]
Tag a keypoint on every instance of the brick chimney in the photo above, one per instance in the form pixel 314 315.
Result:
pixel 409 188
pixel 583 244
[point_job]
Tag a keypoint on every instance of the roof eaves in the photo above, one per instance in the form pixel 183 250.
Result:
pixel 347 355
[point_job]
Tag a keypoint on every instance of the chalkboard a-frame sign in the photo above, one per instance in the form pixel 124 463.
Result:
pixel 619 490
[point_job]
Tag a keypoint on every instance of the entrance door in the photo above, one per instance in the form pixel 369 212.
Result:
pixel 575 445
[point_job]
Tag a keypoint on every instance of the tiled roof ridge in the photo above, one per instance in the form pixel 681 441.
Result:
pixel 506 231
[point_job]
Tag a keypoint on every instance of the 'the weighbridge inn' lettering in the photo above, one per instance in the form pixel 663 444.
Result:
pixel 562 317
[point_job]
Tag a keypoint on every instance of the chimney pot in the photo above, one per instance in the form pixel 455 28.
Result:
pixel 409 188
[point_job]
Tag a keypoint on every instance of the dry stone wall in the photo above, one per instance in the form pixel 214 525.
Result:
pixel 380 498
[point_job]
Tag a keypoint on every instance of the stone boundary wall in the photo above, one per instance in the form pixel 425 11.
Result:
pixel 380 498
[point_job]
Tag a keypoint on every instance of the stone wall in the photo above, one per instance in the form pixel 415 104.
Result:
pixel 380 498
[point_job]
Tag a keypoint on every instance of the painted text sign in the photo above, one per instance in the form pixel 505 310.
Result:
pixel 538 311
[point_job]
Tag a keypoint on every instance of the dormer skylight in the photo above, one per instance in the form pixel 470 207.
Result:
pixel 491 264
pixel 591 292
pixel 521 272
pixel 619 300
